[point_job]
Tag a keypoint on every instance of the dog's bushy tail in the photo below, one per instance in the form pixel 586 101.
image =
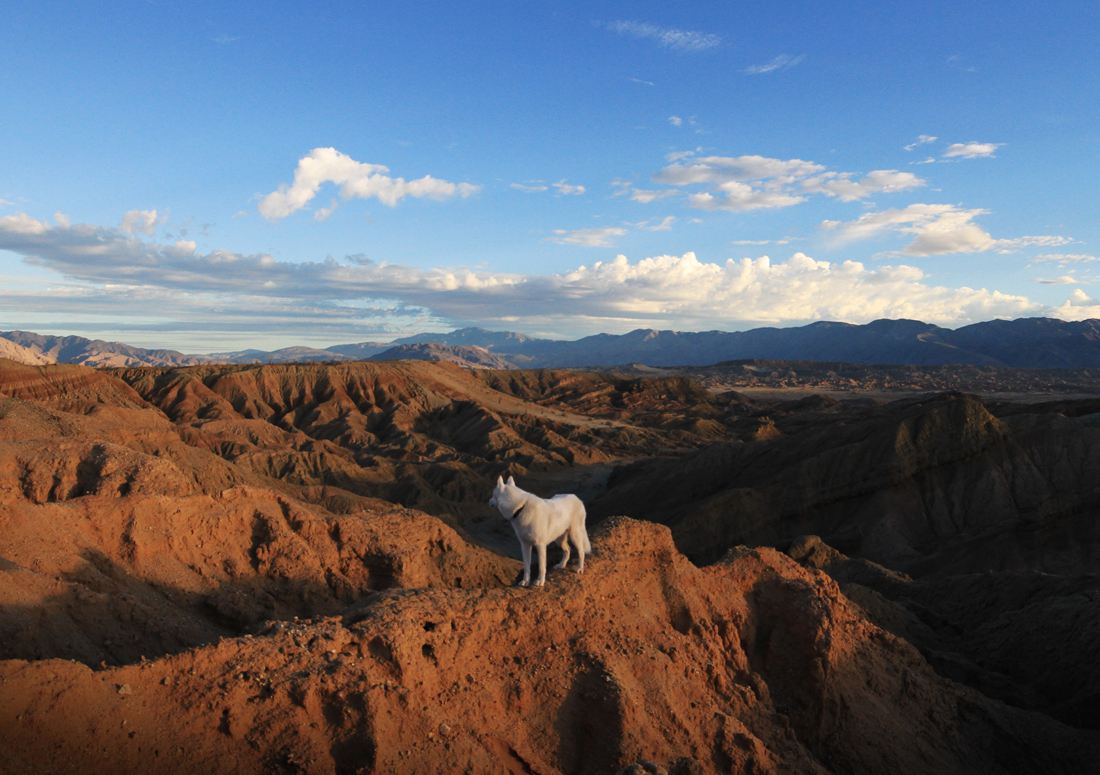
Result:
pixel 587 548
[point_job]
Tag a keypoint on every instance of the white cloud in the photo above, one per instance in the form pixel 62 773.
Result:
pixel 781 62
pixel 1063 280
pixel 61 219
pixel 971 150
pixel 23 225
pixel 565 189
pixel 664 225
pixel 112 275
pixel 639 80
pixel 922 140
pixel 719 169
pixel 841 186
pixel 529 189
pixel 224 39
pixel 938 229
pixel 738 197
pixel 644 196
pixel 325 212
pixel 1079 306
pixel 676 40
pixel 144 221
pixel 589 238
pixel 758 182
pixel 675 120
pixel 1062 258
pixel 1012 245
pixel 356 179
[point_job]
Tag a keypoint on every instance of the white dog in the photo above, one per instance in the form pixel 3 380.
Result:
pixel 540 522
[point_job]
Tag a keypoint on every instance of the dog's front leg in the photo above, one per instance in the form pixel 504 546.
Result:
pixel 526 563
pixel 542 566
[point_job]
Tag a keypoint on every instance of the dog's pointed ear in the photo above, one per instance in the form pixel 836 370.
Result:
pixel 511 481
pixel 500 481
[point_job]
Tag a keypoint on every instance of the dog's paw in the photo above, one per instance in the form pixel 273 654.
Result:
pixel 580 571
pixel 540 583
pixel 560 566
pixel 525 583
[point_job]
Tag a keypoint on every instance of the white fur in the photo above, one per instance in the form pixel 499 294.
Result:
pixel 542 522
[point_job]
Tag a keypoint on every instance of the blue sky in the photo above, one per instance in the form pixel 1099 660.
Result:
pixel 218 176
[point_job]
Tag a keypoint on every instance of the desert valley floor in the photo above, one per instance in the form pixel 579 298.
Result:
pixel 293 568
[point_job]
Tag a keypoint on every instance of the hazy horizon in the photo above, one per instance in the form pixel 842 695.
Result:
pixel 211 178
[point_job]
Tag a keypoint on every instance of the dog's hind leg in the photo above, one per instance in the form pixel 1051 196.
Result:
pixel 542 566
pixel 565 551
pixel 580 540
pixel 526 563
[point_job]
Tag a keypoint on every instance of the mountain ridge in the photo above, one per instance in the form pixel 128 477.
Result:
pixel 1042 343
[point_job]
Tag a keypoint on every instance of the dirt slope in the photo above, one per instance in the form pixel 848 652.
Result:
pixel 751 665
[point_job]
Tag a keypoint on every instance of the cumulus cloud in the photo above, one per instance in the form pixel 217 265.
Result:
pixel 937 229
pixel 144 221
pixel 112 274
pixel 589 238
pixel 356 180
pixel 781 62
pixel 841 185
pixel 758 182
pixel 565 190
pixel 673 39
pixel 1079 306
pixel 971 150
pixel 738 197
pixel 529 189
pixel 922 140
pixel 675 120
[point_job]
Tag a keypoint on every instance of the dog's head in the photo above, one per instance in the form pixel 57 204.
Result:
pixel 501 494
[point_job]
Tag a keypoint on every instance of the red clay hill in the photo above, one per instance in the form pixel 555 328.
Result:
pixel 231 569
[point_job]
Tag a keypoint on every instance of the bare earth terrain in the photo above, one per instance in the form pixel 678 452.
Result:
pixel 292 568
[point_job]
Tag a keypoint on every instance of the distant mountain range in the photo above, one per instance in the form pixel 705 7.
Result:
pixel 1036 343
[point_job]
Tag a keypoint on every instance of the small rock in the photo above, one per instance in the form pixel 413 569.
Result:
pixel 444 729
pixel 125 689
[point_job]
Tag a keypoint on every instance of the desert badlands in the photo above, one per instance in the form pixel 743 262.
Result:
pixel 294 568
